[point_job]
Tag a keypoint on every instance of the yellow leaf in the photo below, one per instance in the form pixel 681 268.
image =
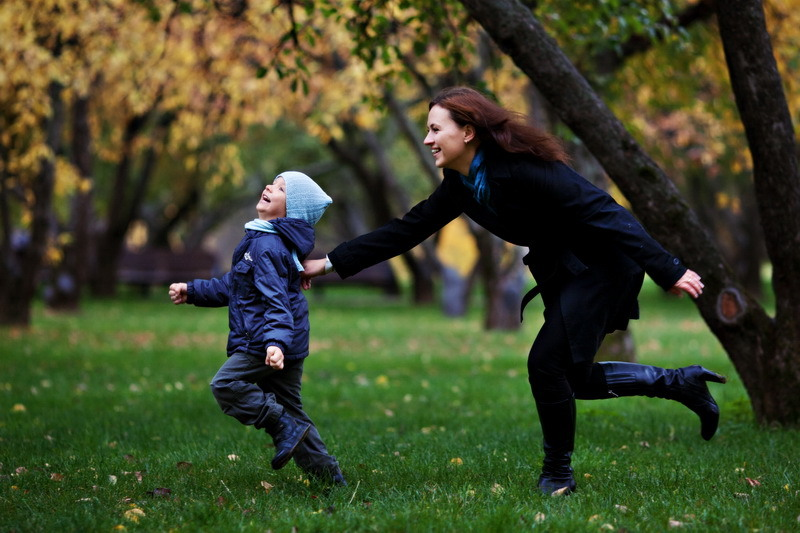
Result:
pixel 18 408
pixel 134 514
pixel 456 461
pixel 267 486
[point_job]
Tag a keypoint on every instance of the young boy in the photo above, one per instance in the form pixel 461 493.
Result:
pixel 259 384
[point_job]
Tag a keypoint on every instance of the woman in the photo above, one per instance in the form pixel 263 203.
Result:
pixel 588 256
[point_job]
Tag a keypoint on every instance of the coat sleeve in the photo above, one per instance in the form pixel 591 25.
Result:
pixel 213 292
pixel 400 234
pixel 602 218
pixel 271 278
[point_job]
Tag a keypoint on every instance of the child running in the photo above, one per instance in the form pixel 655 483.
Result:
pixel 259 384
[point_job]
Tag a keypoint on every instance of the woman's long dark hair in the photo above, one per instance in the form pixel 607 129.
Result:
pixel 496 125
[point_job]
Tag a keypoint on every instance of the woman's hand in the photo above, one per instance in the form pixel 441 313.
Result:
pixel 689 283
pixel 311 269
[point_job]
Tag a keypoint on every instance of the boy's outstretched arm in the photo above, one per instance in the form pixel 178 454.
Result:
pixel 178 293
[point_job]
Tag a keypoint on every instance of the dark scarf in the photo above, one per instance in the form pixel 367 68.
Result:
pixel 476 181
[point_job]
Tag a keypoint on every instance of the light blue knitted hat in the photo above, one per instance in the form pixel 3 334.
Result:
pixel 304 198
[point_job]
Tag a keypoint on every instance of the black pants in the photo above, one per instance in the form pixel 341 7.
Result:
pixel 552 374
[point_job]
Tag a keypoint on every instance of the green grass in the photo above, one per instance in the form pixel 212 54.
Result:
pixel 431 419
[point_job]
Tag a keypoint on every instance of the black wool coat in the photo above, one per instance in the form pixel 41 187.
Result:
pixel 585 249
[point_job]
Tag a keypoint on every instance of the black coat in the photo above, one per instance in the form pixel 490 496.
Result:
pixel 585 248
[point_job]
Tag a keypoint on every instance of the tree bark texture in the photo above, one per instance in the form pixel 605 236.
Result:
pixel 26 263
pixel 761 101
pixel 752 339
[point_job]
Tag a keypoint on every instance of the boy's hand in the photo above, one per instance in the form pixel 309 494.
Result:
pixel 274 357
pixel 178 293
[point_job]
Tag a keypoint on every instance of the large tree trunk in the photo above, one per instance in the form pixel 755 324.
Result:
pixel 69 278
pixel 772 376
pixel 762 349
pixel 21 278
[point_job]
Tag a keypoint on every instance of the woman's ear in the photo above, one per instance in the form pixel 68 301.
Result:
pixel 469 133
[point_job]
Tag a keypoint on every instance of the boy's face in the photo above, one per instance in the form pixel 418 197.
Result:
pixel 272 203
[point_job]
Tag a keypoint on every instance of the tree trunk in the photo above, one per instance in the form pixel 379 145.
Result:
pixel 503 280
pixel 763 350
pixel 20 287
pixel 772 376
pixel 126 201
pixel 69 278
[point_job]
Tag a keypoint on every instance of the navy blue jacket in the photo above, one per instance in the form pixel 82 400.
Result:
pixel 584 247
pixel 266 306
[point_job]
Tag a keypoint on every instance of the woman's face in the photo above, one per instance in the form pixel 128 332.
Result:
pixel 272 203
pixel 449 143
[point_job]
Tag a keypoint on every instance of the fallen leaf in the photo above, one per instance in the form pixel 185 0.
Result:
pixel 18 408
pixel 675 523
pixel 621 508
pixel 457 461
pixel 753 482
pixel 539 518
pixel 112 480
pixel 184 465
pixel 594 518
pixel 128 457
pixel 644 444
pixel 560 492
pixel 20 470
pixel 741 495
pixel 233 457
pixel 267 486
pixel 134 514
pixel 587 475
pixel 160 492
pixel 498 489
pixel 55 476
pixel 607 526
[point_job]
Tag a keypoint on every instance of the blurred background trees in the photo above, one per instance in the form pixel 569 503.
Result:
pixel 150 123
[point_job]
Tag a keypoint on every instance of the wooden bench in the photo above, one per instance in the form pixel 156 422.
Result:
pixel 160 266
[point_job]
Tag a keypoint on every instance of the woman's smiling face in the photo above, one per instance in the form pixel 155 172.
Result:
pixel 449 143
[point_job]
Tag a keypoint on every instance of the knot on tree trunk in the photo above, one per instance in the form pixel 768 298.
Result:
pixel 730 306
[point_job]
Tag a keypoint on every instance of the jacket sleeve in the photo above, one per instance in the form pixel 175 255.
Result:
pixel 213 292
pixel 400 234
pixel 604 219
pixel 271 279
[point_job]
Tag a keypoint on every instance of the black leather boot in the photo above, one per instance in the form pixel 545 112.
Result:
pixel 686 385
pixel 287 433
pixel 558 433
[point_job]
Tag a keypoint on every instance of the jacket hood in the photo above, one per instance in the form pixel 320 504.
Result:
pixel 298 233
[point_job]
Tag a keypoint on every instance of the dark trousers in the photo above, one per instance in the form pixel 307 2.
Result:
pixel 255 394
pixel 552 374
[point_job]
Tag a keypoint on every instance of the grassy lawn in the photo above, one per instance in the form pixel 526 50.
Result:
pixel 107 424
